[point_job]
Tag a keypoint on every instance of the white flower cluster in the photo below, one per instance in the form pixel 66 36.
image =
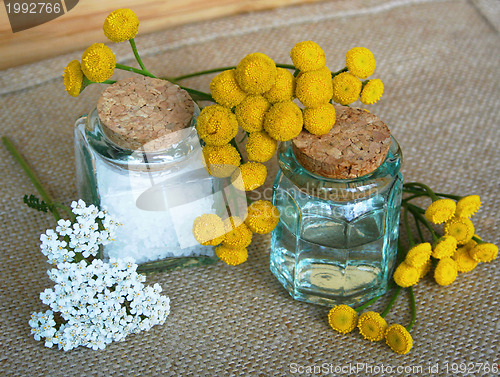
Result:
pixel 91 229
pixel 98 302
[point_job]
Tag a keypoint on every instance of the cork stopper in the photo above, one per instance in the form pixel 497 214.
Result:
pixel 356 145
pixel 145 113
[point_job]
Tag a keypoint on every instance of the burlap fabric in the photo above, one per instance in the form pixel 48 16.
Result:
pixel 439 61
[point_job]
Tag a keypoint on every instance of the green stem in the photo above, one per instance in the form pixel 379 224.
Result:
pixel 391 302
pixel 220 69
pixel 411 241
pixel 413 306
pixel 367 304
pixel 31 175
pixel 136 54
pixel 135 70
pixel 414 210
pixel 200 95
pixel 478 240
pixel 431 193
pixel 422 193
pixel 339 71
pixel 419 229
pixel 414 196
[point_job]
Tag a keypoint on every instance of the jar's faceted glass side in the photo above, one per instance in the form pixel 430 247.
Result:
pixel 155 195
pixel 336 241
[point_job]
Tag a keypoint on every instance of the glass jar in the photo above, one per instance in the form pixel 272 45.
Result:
pixel 336 241
pixel 155 195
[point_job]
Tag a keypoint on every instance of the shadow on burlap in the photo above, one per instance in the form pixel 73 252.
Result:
pixel 439 63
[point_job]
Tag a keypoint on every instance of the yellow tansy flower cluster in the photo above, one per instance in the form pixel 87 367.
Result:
pixel 73 78
pixel 121 25
pixel 415 265
pixel 221 161
pixel 458 250
pixel 98 62
pixel 372 326
pixel 314 87
pixel 233 235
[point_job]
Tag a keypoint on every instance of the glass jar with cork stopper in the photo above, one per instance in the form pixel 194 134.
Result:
pixel 138 156
pixel 339 198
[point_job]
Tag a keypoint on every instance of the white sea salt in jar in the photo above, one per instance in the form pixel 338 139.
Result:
pixel 138 155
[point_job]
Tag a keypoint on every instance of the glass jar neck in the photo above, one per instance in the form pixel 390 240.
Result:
pixel 378 181
pixel 141 159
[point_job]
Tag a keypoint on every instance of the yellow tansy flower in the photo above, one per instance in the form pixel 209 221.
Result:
pixel 251 111
pixel 424 269
pixel 406 275
pixel 360 62
pixel 216 125
pixel 372 91
pixel 238 234
pixel 208 229
pixel 225 90
pixel 256 73
pixel 419 254
pixel 440 211
pixel 461 228
pixel 121 25
pixel 73 78
pixel 399 339
pixel 444 247
pixel 260 146
pixel 262 217
pixel 314 88
pixel 342 318
pixel 283 121
pixel 98 62
pixel 221 161
pixel 284 87
pixel 446 271
pixel 468 205
pixel 230 256
pixel 484 252
pixel 249 176
pixel 465 262
pixel 308 56
pixel 346 88
pixel 372 326
pixel 319 120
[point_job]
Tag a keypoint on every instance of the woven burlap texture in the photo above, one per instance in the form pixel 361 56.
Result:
pixel 439 63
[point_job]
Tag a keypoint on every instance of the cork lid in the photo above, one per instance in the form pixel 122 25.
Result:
pixel 356 145
pixel 145 113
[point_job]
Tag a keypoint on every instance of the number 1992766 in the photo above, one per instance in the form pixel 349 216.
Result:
pixel 34 8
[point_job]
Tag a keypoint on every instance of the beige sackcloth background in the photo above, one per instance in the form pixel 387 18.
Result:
pixel 439 61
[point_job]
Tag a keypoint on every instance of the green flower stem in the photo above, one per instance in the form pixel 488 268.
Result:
pixel 220 69
pixel 414 210
pixel 245 135
pixel 31 175
pixel 391 302
pixel 367 304
pixel 431 193
pixel 235 144
pixel 136 54
pixel 135 70
pixel 478 240
pixel 196 93
pixel 419 229
pixel 413 196
pixel 413 306
pixel 411 241
pixel 339 71
pixel 423 193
